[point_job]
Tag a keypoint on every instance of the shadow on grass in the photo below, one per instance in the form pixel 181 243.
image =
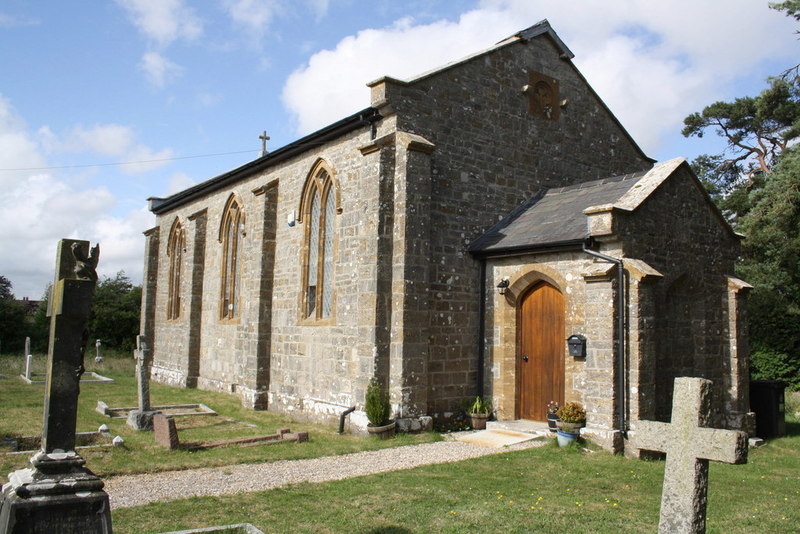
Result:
pixel 389 530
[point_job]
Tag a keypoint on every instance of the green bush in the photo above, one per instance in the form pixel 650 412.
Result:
pixel 773 365
pixel 376 404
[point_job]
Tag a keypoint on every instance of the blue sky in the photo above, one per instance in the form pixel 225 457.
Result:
pixel 104 104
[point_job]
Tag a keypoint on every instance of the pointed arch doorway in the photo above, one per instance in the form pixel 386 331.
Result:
pixel 540 326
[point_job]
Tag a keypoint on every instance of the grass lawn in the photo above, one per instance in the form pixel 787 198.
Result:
pixel 536 490
pixel 21 409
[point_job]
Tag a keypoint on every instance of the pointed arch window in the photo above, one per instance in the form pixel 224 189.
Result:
pixel 319 209
pixel 230 231
pixel 175 248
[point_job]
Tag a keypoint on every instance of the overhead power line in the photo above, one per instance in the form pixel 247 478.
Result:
pixel 127 162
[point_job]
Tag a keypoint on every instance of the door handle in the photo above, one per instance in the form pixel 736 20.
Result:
pixel 524 358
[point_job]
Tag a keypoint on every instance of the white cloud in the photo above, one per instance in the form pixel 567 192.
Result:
pixel 253 15
pixel 18 149
pixel 652 62
pixel 111 140
pixel 178 182
pixel 163 21
pixel 38 208
pixel 15 21
pixel 158 69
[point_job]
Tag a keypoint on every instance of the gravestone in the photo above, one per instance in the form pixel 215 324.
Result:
pixel 28 359
pixel 59 494
pixel 689 446
pixel 142 418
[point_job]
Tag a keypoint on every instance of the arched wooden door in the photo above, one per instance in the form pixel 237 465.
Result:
pixel 541 351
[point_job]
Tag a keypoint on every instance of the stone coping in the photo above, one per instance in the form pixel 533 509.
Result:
pixel 168 409
pixel 239 528
pixel 79 438
pixel 90 377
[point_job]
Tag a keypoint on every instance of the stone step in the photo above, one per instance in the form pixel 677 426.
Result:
pixel 538 428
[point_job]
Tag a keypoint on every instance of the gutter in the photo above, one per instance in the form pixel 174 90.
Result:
pixel 621 306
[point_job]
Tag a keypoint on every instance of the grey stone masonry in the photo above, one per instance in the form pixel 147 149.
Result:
pixel 689 447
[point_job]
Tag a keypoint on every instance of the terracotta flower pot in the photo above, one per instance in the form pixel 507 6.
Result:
pixel 478 420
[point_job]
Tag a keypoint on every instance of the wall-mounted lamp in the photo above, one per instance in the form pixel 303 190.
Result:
pixel 502 286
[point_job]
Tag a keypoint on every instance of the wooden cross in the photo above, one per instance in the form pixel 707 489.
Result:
pixel 264 138
pixel 689 447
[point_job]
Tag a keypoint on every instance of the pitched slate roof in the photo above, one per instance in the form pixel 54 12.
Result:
pixel 553 217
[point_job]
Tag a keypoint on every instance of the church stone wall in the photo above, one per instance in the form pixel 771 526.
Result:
pixel 292 365
pixel 491 155
pixel 678 233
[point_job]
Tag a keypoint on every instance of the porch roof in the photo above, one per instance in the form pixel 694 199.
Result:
pixel 553 217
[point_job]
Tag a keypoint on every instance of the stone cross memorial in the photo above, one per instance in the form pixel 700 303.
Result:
pixel 59 494
pixel 142 418
pixel 689 446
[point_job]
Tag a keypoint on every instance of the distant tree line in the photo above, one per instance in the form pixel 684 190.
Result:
pixel 114 318
pixel 755 181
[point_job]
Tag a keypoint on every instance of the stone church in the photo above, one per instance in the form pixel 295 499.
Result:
pixel 486 228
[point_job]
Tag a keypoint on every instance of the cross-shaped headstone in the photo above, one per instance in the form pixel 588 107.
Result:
pixel 143 372
pixel 689 446
pixel 264 138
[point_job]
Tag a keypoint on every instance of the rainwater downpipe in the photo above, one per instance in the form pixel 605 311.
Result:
pixel 342 416
pixel 620 330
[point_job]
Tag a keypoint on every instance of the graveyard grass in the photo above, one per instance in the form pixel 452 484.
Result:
pixel 543 489
pixel 21 406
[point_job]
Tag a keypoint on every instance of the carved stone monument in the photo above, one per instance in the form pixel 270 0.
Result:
pixel 142 418
pixel 689 447
pixel 59 494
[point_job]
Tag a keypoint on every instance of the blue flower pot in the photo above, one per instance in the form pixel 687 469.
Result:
pixel 565 438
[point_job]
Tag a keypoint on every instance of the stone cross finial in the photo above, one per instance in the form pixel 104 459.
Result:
pixel 689 447
pixel 264 138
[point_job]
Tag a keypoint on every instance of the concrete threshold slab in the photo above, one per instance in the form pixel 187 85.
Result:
pixel 496 438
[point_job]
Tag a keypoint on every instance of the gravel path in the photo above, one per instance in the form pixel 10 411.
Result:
pixel 135 490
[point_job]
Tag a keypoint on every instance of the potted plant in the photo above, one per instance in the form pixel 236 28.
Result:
pixel 378 410
pixel 571 417
pixel 552 417
pixel 479 412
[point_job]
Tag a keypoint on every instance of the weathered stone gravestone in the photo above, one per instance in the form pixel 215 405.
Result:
pixel 142 418
pixel 689 446
pixel 28 359
pixel 59 494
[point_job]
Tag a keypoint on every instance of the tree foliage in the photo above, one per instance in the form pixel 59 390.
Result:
pixel 771 263
pixel 12 319
pixel 115 312
pixel 756 129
